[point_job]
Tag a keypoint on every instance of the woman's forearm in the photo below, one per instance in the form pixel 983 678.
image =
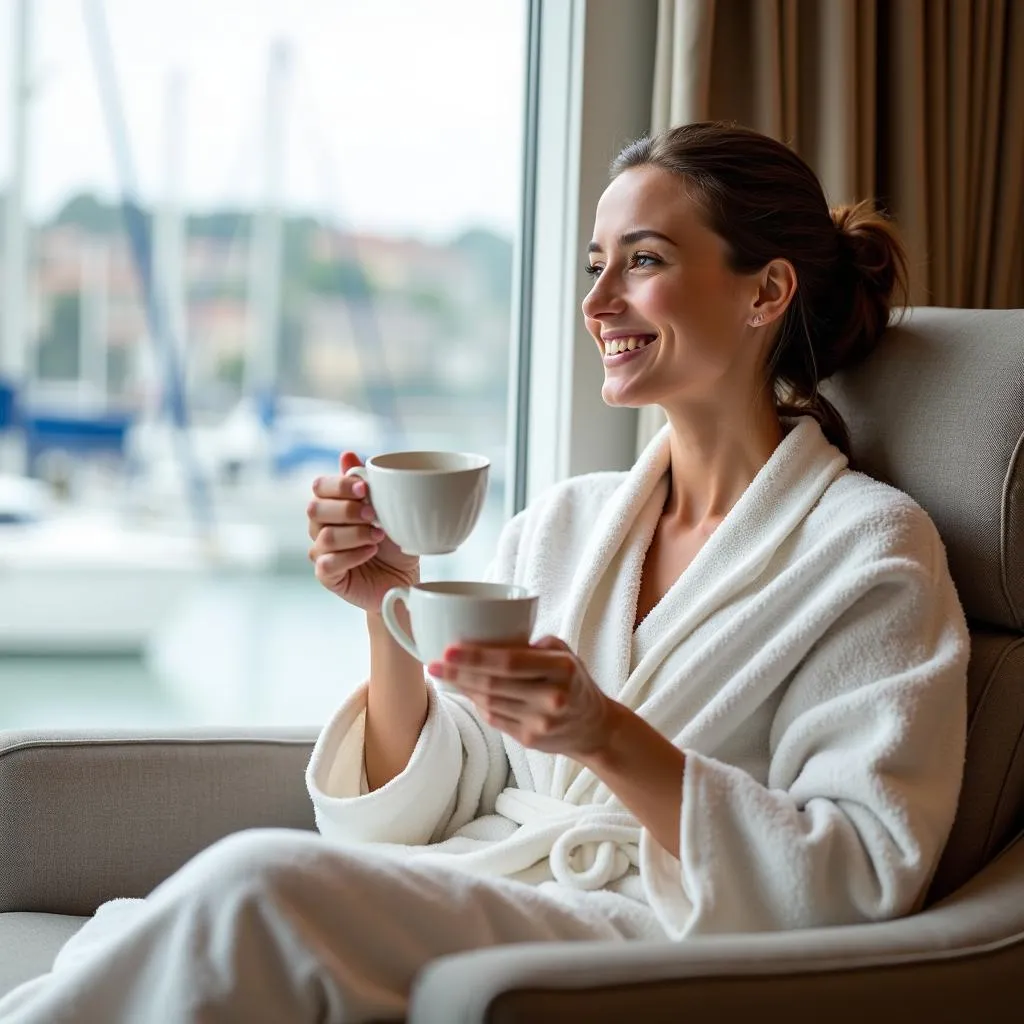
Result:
pixel 396 705
pixel 644 770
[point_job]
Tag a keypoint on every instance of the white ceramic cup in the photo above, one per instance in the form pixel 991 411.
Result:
pixel 426 502
pixel 445 613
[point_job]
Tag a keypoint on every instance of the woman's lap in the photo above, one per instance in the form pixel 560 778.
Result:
pixel 285 922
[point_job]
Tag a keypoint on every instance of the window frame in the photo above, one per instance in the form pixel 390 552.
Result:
pixel 589 84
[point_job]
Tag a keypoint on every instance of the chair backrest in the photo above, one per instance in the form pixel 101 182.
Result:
pixel 938 411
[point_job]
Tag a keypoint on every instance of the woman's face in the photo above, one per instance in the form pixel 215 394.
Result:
pixel 662 284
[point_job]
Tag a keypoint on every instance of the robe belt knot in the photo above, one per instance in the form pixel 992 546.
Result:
pixel 595 845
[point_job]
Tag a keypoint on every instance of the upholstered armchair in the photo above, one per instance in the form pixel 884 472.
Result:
pixel 938 411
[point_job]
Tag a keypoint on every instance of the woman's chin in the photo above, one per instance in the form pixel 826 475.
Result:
pixel 624 397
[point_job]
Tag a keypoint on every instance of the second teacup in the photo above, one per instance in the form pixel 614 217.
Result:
pixel 426 502
pixel 446 612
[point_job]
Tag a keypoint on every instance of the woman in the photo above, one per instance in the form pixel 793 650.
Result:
pixel 747 712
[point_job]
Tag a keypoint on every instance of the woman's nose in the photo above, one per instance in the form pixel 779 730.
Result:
pixel 603 299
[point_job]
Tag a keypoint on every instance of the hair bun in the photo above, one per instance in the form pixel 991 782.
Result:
pixel 876 271
pixel 874 249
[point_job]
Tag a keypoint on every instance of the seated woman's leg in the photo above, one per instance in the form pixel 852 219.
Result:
pixel 276 925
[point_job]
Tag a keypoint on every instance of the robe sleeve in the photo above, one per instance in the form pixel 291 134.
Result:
pixel 866 760
pixel 455 773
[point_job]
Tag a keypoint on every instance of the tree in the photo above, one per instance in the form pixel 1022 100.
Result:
pixel 58 349
pixel 493 254
pixel 90 214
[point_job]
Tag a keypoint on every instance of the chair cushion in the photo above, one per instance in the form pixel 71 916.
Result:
pixel 938 411
pixel 991 809
pixel 29 943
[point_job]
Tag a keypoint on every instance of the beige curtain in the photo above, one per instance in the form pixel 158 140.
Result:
pixel 919 103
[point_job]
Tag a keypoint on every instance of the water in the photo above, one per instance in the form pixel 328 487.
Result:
pixel 267 649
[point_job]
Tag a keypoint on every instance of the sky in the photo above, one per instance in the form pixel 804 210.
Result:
pixel 403 116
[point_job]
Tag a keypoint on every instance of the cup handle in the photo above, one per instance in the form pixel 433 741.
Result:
pixel 360 471
pixel 387 611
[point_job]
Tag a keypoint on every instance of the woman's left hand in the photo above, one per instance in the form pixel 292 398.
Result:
pixel 540 695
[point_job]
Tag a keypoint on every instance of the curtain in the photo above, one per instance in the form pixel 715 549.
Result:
pixel 918 103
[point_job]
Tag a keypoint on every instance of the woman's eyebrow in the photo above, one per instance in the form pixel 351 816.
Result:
pixel 632 237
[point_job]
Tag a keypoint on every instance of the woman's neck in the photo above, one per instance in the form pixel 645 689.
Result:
pixel 714 459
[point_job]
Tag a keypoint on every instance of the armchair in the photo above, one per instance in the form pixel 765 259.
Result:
pixel 938 411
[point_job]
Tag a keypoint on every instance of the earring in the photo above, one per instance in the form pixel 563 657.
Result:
pixel 756 319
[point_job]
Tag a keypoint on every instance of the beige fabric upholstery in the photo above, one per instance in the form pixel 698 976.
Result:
pixel 87 817
pixel 29 943
pixel 991 808
pixel 959 962
pixel 938 411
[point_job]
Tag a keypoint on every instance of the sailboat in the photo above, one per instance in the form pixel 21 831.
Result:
pixel 260 459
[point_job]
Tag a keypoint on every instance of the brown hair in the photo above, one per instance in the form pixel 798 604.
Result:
pixel 767 203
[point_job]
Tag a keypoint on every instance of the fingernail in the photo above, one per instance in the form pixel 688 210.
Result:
pixel 453 654
pixel 368 514
pixel 359 489
pixel 377 533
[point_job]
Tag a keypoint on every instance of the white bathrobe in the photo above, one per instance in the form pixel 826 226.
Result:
pixel 810 663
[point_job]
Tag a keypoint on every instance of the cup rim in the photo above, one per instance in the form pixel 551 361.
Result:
pixel 438 588
pixel 481 462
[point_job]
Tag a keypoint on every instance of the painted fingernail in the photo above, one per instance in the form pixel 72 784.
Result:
pixel 436 668
pixel 377 533
pixel 368 514
pixel 454 655
pixel 359 489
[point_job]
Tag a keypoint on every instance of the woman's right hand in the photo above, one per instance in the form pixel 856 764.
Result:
pixel 352 558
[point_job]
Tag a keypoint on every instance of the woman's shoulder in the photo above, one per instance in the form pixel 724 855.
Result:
pixel 564 508
pixel 876 516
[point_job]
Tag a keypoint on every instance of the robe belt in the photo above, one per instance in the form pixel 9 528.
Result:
pixel 595 846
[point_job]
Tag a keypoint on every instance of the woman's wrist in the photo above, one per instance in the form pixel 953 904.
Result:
pixel 608 733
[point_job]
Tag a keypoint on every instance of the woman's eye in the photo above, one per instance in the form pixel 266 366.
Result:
pixel 644 259
pixel 592 269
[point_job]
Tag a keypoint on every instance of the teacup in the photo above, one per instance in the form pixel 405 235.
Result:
pixel 426 502
pixel 445 613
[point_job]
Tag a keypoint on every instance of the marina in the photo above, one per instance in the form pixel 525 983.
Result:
pixel 170 384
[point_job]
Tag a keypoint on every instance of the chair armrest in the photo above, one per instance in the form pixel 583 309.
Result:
pixel 88 815
pixel 960 960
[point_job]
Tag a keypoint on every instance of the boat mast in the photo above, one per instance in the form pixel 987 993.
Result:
pixel 265 254
pixel 168 228
pixel 13 343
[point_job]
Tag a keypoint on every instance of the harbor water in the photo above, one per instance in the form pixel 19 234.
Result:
pixel 268 649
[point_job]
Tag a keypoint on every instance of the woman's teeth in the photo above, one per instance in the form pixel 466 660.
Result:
pixel 618 345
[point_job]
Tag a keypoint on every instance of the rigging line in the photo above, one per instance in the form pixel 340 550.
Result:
pixel 137 228
pixel 371 356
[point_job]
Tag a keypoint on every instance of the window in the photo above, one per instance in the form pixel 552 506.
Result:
pixel 352 207
pixel 329 194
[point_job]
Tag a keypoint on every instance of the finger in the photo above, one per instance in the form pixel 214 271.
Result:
pixel 347 487
pixel 512 662
pixel 339 512
pixel 333 568
pixel 511 725
pixel 332 539
pixel 519 690
pixel 551 643
pixel 348 460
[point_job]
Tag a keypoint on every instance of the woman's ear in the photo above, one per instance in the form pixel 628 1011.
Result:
pixel 775 291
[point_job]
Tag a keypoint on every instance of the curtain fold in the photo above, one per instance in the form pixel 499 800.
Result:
pixel 918 103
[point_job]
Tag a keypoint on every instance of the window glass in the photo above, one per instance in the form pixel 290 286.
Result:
pixel 252 233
